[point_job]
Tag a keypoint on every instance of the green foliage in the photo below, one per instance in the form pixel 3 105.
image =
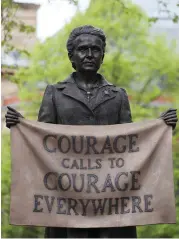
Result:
pixel 10 23
pixel 147 67
pixel 9 231
pixel 163 6
pixel 133 60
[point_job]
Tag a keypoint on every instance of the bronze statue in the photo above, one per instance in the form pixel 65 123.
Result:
pixel 86 98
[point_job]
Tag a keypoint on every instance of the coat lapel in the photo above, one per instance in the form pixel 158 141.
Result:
pixel 73 91
pixel 69 88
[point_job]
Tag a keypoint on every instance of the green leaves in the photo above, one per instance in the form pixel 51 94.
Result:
pixel 164 6
pixel 175 18
pixel 25 28
pixel 146 66
pixel 153 19
pixel 10 23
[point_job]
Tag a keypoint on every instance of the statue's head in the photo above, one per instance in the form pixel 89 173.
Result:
pixel 86 48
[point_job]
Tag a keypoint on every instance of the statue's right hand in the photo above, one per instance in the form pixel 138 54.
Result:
pixel 12 117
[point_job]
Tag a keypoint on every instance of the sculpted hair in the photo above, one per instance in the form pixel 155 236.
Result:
pixel 87 29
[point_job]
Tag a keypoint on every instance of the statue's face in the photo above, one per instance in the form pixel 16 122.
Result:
pixel 88 53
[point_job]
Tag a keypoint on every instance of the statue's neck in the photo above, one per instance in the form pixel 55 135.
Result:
pixel 86 79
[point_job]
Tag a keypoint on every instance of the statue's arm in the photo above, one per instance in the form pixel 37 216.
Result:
pixel 47 112
pixel 125 111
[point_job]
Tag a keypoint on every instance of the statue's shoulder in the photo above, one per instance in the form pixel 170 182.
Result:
pixel 119 89
pixel 122 90
pixel 122 93
pixel 62 84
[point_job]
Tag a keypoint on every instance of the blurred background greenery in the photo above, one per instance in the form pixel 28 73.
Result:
pixel 146 66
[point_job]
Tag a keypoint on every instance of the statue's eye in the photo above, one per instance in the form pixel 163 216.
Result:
pixel 82 49
pixel 96 49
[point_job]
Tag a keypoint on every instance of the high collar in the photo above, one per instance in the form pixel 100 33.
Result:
pixel 71 79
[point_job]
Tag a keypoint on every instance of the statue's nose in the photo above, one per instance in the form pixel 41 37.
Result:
pixel 89 53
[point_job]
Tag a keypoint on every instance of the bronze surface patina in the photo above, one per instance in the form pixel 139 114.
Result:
pixel 86 98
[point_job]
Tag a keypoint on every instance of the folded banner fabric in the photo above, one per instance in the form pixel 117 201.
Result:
pixel 92 176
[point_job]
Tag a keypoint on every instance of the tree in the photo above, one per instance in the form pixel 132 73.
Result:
pixel 163 6
pixel 128 40
pixel 147 67
pixel 9 23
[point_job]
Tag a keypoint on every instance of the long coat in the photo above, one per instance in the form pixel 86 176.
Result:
pixel 64 103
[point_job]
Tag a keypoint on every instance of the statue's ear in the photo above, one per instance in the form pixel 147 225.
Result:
pixel 103 57
pixel 69 56
pixel 72 61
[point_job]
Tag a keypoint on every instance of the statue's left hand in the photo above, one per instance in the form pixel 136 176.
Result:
pixel 170 117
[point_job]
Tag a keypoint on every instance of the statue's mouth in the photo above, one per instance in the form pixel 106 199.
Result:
pixel 89 63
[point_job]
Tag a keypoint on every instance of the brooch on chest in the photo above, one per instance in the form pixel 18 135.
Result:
pixel 106 92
